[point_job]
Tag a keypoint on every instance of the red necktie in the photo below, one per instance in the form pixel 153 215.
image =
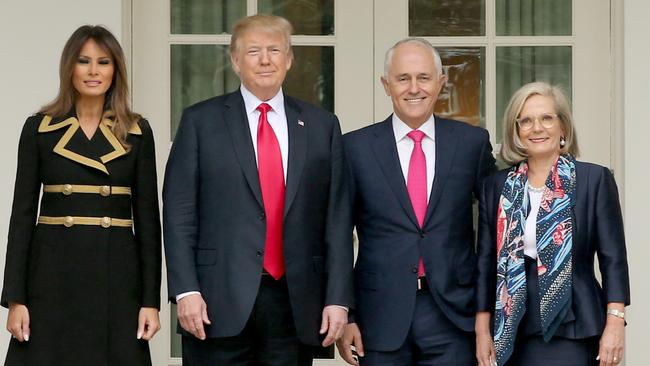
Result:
pixel 271 173
pixel 417 183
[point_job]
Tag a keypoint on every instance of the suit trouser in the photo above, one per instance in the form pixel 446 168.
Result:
pixel 530 348
pixel 433 340
pixel 268 339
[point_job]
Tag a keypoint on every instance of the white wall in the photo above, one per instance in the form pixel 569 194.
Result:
pixel 637 176
pixel 32 35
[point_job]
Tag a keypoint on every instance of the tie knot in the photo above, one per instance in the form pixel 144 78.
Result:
pixel 264 107
pixel 416 135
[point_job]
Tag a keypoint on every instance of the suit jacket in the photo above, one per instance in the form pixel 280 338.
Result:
pixel 597 229
pixel 391 241
pixel 214 223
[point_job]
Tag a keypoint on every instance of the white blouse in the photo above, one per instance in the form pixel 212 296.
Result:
pixel 530 232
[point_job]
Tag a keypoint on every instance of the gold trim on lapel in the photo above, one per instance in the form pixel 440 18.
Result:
pixel 104 128
pixel 118 148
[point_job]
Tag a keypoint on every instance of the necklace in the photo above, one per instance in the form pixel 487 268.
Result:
pixel 536 189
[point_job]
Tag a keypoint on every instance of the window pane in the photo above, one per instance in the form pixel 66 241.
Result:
pixel 517 66
pixel 463 97
pixel 198 72
pixel 311 77
pixel 447 18
pixel 308 17
pixel 533 17
pixel 205 16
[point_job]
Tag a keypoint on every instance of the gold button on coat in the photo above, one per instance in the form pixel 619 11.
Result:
pixel 106 222
pixel 68 221
pixel 67 189
pixel 105 191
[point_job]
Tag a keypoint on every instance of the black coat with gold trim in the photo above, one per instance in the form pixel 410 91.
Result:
pixel 83 271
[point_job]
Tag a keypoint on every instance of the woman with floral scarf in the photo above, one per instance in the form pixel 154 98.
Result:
pixel 542 222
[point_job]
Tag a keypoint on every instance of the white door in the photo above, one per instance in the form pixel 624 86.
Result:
pixel 489 48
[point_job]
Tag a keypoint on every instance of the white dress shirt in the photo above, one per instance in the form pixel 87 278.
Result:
pixel 277 119
pixel 405 147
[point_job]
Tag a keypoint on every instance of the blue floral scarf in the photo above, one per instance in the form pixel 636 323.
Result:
pixel 554 243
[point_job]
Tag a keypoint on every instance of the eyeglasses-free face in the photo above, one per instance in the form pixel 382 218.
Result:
pixel 547 120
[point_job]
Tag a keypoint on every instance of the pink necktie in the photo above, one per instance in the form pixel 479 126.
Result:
pixel 417 183
pixel 271 173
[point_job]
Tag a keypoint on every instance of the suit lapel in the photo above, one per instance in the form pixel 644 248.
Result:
pixel 235 116
pixel 297 150
pixel 446 142
pixel 385 150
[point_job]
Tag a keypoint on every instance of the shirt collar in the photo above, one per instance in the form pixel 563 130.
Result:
pixel 401 129
pixel 251 102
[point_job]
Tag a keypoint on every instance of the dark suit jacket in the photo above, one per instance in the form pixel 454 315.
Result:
pixel 214 224
pixel 390 240
pixel 597 229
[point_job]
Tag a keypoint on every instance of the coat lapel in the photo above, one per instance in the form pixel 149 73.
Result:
pixel 237 121
pixel 297 128
pixel 446 142
pixel 385 149
pixel 63 148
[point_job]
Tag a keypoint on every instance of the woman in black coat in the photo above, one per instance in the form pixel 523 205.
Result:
pixel 82 274
pixel 542 221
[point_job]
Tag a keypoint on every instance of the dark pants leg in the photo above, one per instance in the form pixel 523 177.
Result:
pixel 275 333
pixel 432 341
pixel 530 348
pixel 268 339
pixel 533 351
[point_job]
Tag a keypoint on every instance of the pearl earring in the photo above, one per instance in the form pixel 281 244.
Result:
pixel 562 141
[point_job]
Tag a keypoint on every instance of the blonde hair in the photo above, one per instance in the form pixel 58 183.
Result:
pixel 512 149
pixel 268 23
pixel 116 101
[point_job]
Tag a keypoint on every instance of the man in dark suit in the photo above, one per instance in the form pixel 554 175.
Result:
pixel 414 177
pixel 256 216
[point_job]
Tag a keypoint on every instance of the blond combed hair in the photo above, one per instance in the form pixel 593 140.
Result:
pixel 266 22
pixel 512 149
pixel 116 102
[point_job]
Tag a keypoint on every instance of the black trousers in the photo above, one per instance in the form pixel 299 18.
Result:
pixel 561 350
pixel 268 339
pixel 433 340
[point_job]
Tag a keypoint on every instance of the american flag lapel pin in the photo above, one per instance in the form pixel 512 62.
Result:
pixel 301 123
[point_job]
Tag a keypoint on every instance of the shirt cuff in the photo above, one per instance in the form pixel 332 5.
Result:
pixel 341 306
pixel 184 294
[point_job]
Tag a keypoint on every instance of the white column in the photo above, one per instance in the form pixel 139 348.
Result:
pixel 637 175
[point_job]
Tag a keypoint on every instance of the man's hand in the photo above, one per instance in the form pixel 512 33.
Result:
pixel 334 318
pixel 148 323
pixel 18 321
pixel 351 338
pixel 192 314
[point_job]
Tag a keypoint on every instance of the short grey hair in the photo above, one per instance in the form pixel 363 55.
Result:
pixel 419 41
pixel 512 149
